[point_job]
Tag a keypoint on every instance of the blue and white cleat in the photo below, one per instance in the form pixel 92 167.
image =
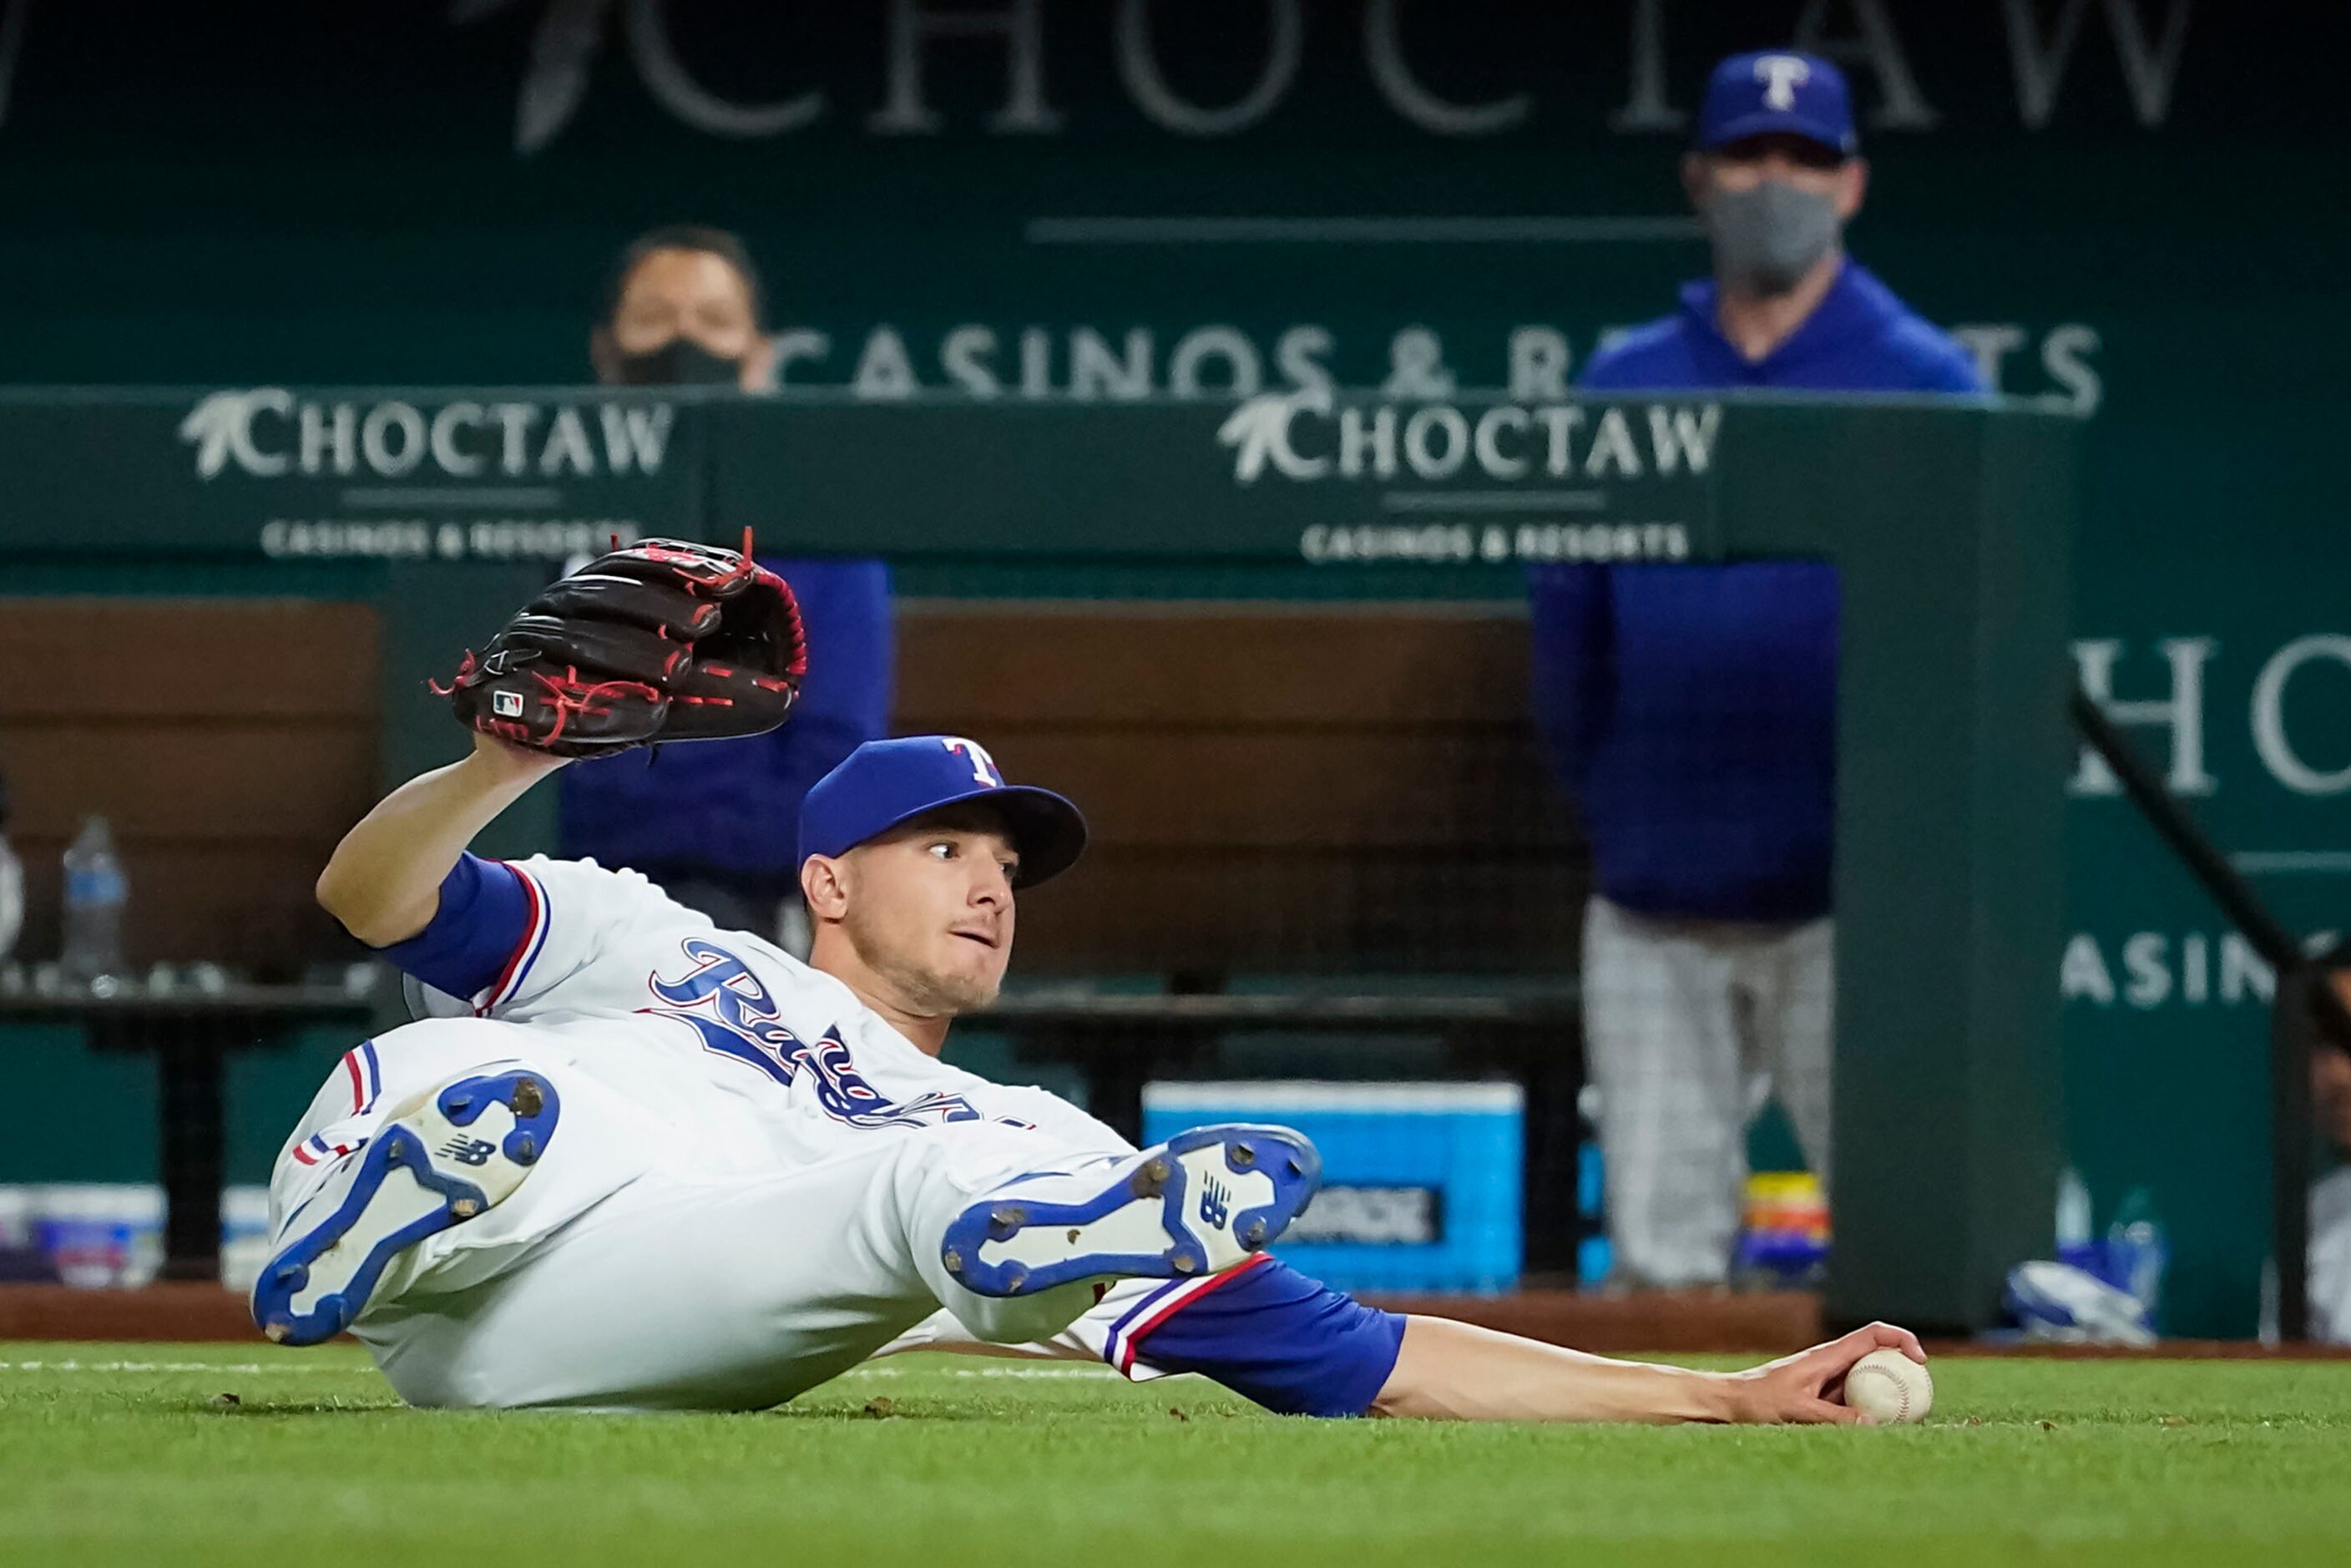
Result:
pixel 458 1154
pixel 1196 1204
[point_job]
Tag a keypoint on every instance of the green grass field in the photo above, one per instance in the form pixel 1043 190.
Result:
pixel 163 1455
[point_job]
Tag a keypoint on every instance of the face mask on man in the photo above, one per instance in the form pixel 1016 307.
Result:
pixel 680 361
pixel 1768 236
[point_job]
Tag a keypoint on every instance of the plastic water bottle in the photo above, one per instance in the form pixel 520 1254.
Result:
pixel 2138 1249
pixel 2076 1246
pixel 12 897
pixel 96 892
pixel 1593 1255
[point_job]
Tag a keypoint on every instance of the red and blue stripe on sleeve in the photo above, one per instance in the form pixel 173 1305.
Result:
pixel 481 943
pixel 1266 1331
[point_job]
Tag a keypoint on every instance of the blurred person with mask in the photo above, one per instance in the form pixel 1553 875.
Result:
pixel 1690 710
pixel 716 825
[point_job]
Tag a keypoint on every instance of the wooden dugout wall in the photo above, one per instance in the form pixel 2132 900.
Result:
pixel 1271 787
pixel 228 741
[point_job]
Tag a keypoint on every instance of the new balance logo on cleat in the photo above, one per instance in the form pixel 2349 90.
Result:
pixel 1189 1208
pixel 426 1169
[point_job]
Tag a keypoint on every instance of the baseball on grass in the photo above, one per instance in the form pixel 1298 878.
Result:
pixel 1889 1387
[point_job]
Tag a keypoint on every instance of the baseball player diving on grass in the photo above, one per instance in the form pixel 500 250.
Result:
pixel 628 1160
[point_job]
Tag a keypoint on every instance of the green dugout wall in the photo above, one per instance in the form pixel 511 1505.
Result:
pixel 1950 525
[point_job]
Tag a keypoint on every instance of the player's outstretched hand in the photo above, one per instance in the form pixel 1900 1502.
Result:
pixel 1806 1387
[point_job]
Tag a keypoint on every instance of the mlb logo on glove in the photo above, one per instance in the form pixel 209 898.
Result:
pixel 664 641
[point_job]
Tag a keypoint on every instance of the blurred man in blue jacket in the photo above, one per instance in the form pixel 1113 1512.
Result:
pixel 1691 710
pixel 715 824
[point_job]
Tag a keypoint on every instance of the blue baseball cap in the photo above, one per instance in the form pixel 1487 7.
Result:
pixel 1778 91
pixel 885 783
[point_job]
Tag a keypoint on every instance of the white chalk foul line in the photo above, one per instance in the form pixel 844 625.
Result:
pixel 253 1368
pixel 1065 1372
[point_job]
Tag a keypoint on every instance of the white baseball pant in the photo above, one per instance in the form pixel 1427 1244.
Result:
pixel 670 1251
pixel 1688 1027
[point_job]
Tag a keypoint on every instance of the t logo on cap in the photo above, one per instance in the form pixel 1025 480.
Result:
pixel 885 784
pixel 1777 92
pixel 1782 75
pixel 983 767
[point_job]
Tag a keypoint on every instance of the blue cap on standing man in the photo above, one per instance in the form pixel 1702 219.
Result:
pixel 1778 92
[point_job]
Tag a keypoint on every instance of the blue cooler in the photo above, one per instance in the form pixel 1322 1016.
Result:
pixel 1421 1182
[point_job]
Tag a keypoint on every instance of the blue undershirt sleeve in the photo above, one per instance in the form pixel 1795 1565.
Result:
pixel 485 914
pixel 1269 1333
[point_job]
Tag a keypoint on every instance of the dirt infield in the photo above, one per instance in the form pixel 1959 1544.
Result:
pixel 2162 1350
pixel 177 1313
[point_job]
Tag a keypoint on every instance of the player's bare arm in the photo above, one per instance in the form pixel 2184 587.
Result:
pixel 1452 1371
pixel 384 881
pixel 660 642
pixel 1301 1348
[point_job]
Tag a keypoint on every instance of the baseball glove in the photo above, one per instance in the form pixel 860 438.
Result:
pixel 663 640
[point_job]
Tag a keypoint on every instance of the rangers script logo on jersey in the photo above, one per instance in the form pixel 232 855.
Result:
pixel 723 1002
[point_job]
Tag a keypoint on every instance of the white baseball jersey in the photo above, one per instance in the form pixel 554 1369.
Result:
pixel 745 1189
pixel 724 1106
pixel 728 1008
pixel 781 1058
